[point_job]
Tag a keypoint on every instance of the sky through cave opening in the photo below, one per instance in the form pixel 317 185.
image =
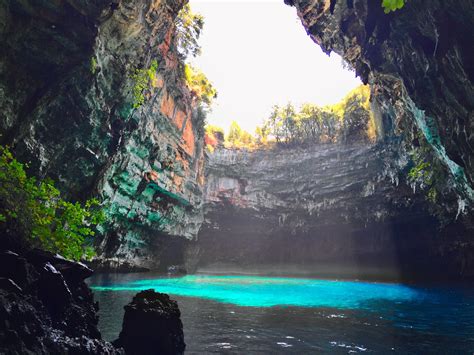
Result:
pixel 257 54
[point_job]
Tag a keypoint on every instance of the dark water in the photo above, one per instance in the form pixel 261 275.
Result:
pixel 242 314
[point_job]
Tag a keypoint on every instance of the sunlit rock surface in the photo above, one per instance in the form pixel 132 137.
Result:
pixel 66 93
pixel 329 210
pixel 421 56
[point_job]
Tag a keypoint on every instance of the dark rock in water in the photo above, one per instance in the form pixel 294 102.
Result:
pixel 43 311
pixel 152 325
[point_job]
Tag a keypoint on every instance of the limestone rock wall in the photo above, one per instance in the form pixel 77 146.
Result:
pixel 421 54
pixel 331 210
pixel 66 93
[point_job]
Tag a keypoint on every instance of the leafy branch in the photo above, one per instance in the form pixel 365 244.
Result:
pixel 34 212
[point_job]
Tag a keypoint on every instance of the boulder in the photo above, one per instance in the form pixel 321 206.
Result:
pixel 152 325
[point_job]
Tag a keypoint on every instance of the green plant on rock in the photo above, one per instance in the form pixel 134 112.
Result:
pixel 93 65
pixel 142 79
pixel 199 84
pixel 34 212
pixel 427 172
pixel 392 5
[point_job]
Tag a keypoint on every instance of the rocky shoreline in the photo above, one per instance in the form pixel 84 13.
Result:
pixel 47 308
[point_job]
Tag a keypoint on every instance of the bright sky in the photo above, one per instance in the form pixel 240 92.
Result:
pixel 257 54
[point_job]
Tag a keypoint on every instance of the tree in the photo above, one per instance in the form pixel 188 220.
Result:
pixel 262 134
pixel 289 123
pixel 356 115
pixel 238 137
pixel 310 122
pixel 188 30
pixel 274 123
pixel 235 132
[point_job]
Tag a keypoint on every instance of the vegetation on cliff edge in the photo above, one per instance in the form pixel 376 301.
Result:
pixel 350 120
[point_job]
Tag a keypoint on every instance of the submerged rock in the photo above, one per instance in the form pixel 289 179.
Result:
pixel 152 325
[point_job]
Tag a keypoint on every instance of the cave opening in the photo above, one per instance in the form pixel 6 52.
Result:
pixel 290 126
pixel 329 217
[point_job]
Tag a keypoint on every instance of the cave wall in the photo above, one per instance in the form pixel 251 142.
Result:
pixel 66 93
pixel 329 210
pixel 420 57
pixel 67 108
pixel 418 62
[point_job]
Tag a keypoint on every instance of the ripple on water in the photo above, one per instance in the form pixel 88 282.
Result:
pixel 279 315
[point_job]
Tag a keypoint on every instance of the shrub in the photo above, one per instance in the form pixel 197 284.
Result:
pixel 93 65
pixel 34 212
pixel 213 137
pixel 392 5
pixel 142 79
pixel 426 171
pixel 199 84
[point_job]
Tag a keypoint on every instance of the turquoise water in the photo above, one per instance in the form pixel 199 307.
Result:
pixel 253 314
pixel 254 291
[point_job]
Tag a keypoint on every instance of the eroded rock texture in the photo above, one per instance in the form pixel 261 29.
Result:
pixel 330 210
pixel 152 325
pixel 421 57
pixel 66 93
pixel 46 308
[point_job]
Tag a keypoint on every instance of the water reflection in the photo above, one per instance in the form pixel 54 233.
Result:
pixel 388 318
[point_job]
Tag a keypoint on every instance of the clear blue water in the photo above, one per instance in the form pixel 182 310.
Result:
pixel 271 315
pixel 274 291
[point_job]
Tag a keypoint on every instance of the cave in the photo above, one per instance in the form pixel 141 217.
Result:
pixel 362 220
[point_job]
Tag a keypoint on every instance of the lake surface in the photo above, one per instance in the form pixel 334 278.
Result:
pixel 242 314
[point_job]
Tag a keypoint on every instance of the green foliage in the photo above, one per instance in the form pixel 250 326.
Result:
pixel 214 135
pixel 261 133
pixel 214 130
pixel 426 172
pixel 392 5
pixel 142 79
pixel 238 137
pixel 93 65
pixel 34 211
pixel 199 84
pixel 188 29
pixel 348 120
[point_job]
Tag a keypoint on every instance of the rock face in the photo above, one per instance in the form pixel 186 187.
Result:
pixel 68 107
pixel 418 60
pixel 152 325
pixel 331 210
pixel 46 308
